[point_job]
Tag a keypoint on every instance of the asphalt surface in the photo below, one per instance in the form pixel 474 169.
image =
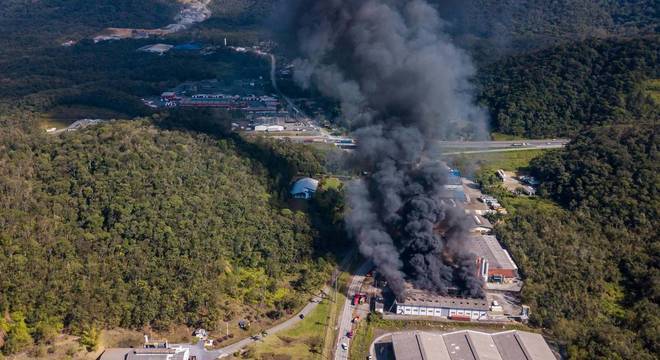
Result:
pixel 228 350
pixel 346 316
pixel 528 144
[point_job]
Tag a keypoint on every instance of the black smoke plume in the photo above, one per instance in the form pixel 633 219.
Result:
pixel 402 86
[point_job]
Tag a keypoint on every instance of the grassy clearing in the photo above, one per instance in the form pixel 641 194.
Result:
pixel 506 160
pixel 652 88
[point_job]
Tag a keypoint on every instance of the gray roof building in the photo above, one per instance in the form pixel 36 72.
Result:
pixel 471 345
pixel 415 297
pixel 487 247
pixel 173 353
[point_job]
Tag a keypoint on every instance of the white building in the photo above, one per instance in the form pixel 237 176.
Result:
pixel 159 49
pixel 171 353
pixel 423 303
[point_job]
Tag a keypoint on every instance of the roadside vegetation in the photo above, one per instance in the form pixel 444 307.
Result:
pixel 312 338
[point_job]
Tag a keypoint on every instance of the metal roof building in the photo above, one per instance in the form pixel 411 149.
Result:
pixel 304 188
pixel 173 353
pixel 499 260
pixel 471 345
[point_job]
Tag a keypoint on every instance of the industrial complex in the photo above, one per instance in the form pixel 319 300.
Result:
pixel 467 345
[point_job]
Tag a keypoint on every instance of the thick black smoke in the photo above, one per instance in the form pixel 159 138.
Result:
pixel 402 86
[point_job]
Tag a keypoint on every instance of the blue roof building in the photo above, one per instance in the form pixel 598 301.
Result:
pixel 304 188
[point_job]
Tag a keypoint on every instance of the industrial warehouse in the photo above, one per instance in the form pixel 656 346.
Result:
pixel 495 263
pixel 468 345
pixel 424 303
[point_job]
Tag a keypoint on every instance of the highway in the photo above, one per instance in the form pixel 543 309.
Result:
pixel 466 151
pixel 525 144
pixel 346 316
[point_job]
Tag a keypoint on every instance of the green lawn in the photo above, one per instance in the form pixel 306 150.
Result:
pixel 514 160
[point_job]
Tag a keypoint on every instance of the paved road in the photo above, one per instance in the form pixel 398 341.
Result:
pixel 538 147
pixel 346 316
pixel 228 350
pixel 203 354
pixel 477 145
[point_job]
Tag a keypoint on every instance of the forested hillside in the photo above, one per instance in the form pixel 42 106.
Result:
pixel 563 90
pixel 591 268
pixel 28 25
pixel 495 27
pixel 127 225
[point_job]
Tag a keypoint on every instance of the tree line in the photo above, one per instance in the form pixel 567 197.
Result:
pixel 591 264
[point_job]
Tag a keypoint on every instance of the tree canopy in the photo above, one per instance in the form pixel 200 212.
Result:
pixel 127 225
pixel 563 90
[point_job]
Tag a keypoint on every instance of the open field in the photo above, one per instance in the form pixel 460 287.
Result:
pixel 507 160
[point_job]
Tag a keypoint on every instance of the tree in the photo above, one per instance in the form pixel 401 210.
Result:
pixel 90 338
pixel 18 336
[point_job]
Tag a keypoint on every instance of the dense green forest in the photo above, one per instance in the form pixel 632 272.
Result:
pixel 32 25
pixel 500 27
pixel 565 89
pixel 591 267
pixel 127 225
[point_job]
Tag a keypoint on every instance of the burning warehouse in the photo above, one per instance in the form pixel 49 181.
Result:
pixel 425 303
pixel 402 86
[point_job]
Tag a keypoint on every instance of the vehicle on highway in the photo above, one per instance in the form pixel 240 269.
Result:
pixel 349 334
pixel 344 346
